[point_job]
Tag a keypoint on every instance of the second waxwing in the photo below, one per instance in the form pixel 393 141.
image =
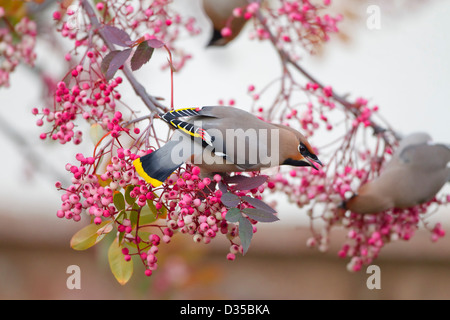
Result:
pixel 417 171
pixel 224 139
pixel 220 13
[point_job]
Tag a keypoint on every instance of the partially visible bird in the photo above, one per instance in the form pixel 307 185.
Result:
pixel 224 139
pixel 417 171
pixel 220 12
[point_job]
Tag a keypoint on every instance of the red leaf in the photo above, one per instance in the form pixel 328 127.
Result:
pixel 230 200
pixel 117 36
pixel 113 61
pixel 245 233
pixel 247 183
pixel 258 204
pixel 141 56
pixel 155 43
pixel 260 215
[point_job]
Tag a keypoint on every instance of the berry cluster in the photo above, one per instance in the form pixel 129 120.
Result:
pixel 95 102
pixel 321 193
pixel 154 19
pixel 186 203
pixel 297 24
pixel 106 188
pixel 16 47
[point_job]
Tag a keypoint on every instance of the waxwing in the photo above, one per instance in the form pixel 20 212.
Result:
pixel 417 171
pixel 221 140
pixel 220 12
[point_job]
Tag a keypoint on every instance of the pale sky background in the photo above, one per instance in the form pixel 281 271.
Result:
pixel 404 68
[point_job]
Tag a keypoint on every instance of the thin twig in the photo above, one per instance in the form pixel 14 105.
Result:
pixel 150 102
pixel 286 59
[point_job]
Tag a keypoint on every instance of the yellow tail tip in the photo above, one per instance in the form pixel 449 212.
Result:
pixel 140 170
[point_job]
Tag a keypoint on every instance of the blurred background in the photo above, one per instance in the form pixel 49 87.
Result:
pixel 403 67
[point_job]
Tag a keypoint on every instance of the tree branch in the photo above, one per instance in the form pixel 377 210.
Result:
pixel 150 102
pixel 286 59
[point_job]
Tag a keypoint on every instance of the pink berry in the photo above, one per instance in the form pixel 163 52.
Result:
pixel 226 32
pixel 57 15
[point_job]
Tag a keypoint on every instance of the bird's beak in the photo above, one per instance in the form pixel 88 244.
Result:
pixel 311 161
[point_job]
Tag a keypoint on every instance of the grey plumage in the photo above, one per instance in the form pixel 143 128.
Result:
pixel 415 174
pixel 224 139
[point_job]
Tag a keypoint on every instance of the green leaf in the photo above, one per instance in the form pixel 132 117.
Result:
pixel 245 233
pixel 260 215
pixel 121 269
pixel 119 201
pixel 89 235
pixel 161 213
pixel 121 236
pixel 130 200
pixel 233 215
pixel 120 216
pixel 149 213
pixel 133 217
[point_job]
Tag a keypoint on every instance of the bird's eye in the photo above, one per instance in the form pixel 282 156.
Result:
pixel 301 148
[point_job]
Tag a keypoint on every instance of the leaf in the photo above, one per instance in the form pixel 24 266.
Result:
pixel 14 10
pixel 102 182
pixel 247 183
pixel 236 179
pixel 230 200
pixel 141 56
pixel 120 216
pixel 88 236
pixel 162 213
pixel 133 218
pixel 155 43
pixel 117 36
pixel 245 233
pixel 259 204
pixel 222 187
pixel 96 132
pixel 149 213
pixel 119 201
pixel 233 215
pixel 260 215
pixel 121 236
pixel 113 61
pixel 128 198
pixel 121 269
pixel 106 229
